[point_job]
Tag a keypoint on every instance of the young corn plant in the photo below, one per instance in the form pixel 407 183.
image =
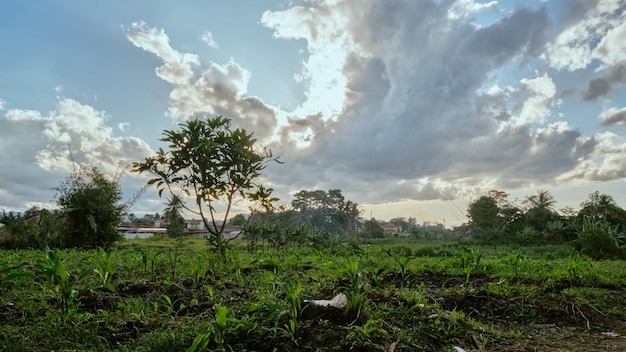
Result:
pixel 469 261
pixel 351 270
pixel 293 297
pixel 149 257
pixel 215 332
pixel 59 279
pixel 402 260
pixel 106 268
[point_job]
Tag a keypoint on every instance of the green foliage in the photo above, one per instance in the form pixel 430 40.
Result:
pixel 59 280
pixel 371 229
pixel 20 229
pixel 91 204
pixel 602 207
pixel 328 211
pixel 365 336
pixel 483 214
pixel 469 259
pixel 213 164
pixel 174 218
pixel 252 301
pixel 599 241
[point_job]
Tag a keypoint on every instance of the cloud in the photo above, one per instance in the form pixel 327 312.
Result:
pixel 603 86
pixel 536 109
pixel 204 88
pixel 207 37
pixel 613 116
pixel 123 126
pixel 402 98
pixel 464 8
pixel 410 116
pixel 606 163
pixel 593 31
pixel 40 149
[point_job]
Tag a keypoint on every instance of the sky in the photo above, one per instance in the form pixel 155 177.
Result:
pixel 411 108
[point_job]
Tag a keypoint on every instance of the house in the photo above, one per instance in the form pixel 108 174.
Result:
pixel 391 229
pixel 194 224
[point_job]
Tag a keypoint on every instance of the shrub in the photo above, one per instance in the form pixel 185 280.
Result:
pixel 598 244
pixel 91 203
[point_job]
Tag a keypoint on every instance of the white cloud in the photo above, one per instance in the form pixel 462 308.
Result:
pixel 200 89
pixel 207 37
pixel 40 149
pixel 536 109
pixel 465 8
pixel 123 126
pixel 606 163
pixel 613 116
pixel 598 35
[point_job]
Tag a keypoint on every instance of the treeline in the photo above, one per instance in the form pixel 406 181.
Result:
pixel 598 228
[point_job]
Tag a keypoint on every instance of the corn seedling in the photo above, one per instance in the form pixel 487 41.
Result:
pixel 364 336
pixel 402 260
pixel 57 276
pixel 351 270
pixel 106 269
pixel 293 297
pixel 469 260
pixel 214 333
pixel 149 257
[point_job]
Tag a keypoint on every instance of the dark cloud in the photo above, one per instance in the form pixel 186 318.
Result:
pixel 523 32
pixel 603 86
pixel 613 117
pixel 412 112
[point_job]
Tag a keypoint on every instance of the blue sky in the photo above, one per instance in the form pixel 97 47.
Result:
pixel 411 108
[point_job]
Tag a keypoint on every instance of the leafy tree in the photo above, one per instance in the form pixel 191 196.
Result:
pixel 602 207
pixel 238 220
pixel 91 203
pixel 484 213
pixel 213 164
pixel 372 229
pixel 328 211
pixel 402 222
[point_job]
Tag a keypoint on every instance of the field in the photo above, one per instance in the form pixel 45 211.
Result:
pixel 164 295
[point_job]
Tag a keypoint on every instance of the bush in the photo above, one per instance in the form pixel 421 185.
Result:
pixel 91 204
pixel 598 244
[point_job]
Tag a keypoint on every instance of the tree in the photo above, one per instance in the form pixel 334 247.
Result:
pixel 174 218
pixel 91 203
pixel 238 220
pixel 540 209
pixel 372 229
pixel 214 165
pixel 484 217
pixel 484 213
pixel 328 211
pixel 401 222
pixel 601 206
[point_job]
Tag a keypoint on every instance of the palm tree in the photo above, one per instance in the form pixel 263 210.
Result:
pixel 173 216
pixel 542 200
pixel 540 209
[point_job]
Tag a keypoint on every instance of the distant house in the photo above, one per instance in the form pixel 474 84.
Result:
pixel 391 229
pixel 194 224
pixel 158 223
